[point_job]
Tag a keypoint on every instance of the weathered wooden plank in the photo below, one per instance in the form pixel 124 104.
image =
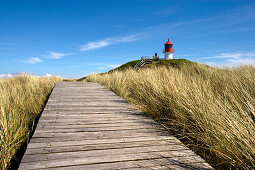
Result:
pixel 153 132
pixel 86 126
pixel 83 160
pixel 90 112
pixel 140 164
pixel 88 102
pixel 44 137
pixel 174 151
pixel 130 129
pixel 100 141
pixel 107 120
pixel 63 126
pixel 80 98
pixel 85 107
pixel 98 114
pixel 103 146
pixel 89 99
pixel 84 119
pixel 81 116
pixel 93 111
pixel 87 122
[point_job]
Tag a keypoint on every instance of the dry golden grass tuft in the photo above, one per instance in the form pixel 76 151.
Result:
pixel 211 110
pixel 21 101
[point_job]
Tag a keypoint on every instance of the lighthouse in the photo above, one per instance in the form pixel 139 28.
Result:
pixel 168 50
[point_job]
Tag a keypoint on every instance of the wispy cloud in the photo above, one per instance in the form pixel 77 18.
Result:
pixel 6 43
pixel 33 60
pixel 22 73
pixel 234 58
pixel 234 55
pixel 108 41
pixel 101 68
pixel 108 66
pixel 112 65
pixel 6 75
pixel 55 55
pixel 48 75
pixel 218 23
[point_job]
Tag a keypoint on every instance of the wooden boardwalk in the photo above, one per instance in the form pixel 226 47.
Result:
pixel 86 126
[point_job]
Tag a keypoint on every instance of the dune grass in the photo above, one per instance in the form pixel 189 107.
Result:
pixel 21 100
pixel 211 110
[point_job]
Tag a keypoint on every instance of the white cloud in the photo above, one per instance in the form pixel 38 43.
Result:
pixel 112 65
pixel 6 75
pixel 233 59
pixel 242 61
pixel 102 68
pixel 47 75
pixel 50 75
pixel 76 66
pixel 235 55
pixel 107 66
pixel 55 55
pixel 33 60
pixel 24 73
pixel 6 43
pixel 91 73
pixel 108 41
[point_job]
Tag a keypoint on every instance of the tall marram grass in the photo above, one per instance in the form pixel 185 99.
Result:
pixel 21 101
pixel 211 110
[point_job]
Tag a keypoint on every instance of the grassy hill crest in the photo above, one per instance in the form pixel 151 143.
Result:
pixel 177 63
pixel 160 62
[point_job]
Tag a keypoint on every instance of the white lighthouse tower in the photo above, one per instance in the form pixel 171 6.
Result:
pixel 168 50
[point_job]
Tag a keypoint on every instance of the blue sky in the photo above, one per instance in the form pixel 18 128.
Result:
pixel 73 38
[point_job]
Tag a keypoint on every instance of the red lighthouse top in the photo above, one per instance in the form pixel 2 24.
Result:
pixel 168 42
pixel 168 47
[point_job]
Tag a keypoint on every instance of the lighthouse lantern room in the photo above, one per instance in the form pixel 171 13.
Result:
pixel 168 50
